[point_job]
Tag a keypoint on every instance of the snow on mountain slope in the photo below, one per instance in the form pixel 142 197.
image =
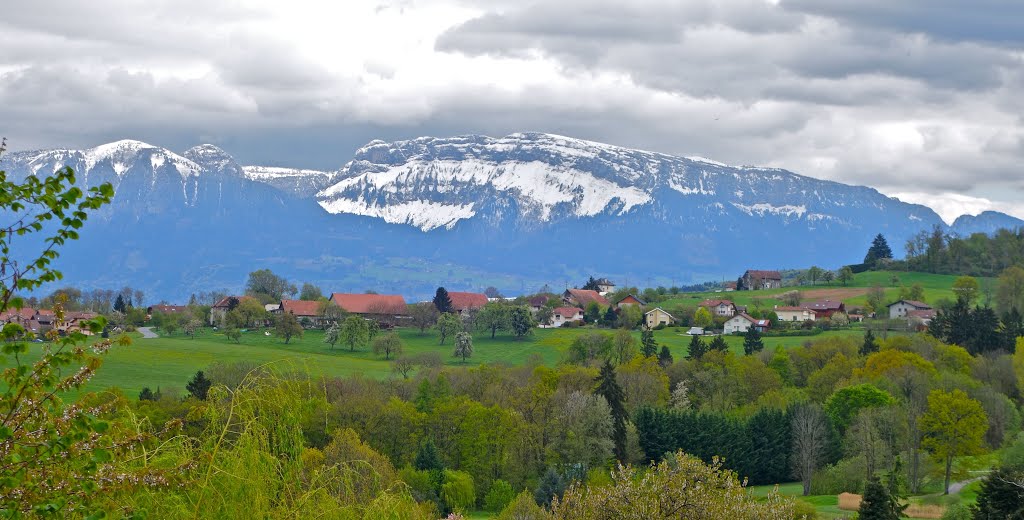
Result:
pixel 436 182
pixel 297 181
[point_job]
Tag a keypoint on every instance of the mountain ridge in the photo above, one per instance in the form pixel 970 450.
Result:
pixel 465 211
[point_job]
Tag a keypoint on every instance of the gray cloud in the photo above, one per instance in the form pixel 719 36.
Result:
pixel 918 97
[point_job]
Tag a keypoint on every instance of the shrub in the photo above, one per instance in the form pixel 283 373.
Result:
pixel 524 507
pixel 499 496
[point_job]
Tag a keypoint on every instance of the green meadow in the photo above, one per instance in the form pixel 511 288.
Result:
pixel 936 287
pixel 168 362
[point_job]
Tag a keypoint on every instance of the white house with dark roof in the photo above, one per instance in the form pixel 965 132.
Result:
pixel 903 308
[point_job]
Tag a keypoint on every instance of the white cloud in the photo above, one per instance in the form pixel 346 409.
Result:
pixel 908 100
pixel 949 206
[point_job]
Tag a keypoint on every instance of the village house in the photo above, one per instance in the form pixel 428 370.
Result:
pixel 724 308
pixel 902 308
pixel 755 280
pixel 798 314
pixel 729 286
pixel 465 303
pixel 166 309
pixel 658 316
pixel 743 321
pixel 583 297
pixel 537 303
pixel 605 286
pixel 305 311
pixel 630 300
pixel 382 306
pixel 219 310
pixel 73 322
pixel 561 315
pixel 826 308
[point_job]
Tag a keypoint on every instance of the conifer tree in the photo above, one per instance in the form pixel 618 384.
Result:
pixel 696 349
pixel 608 387
pixel 1001 496
pixel 718 344
pixel 146 394
pixel 878 503
pixel 551 485
pixel 199 386
pixel 648 347
pixel 879 249
pixel 442 301
pixel 665 357
pixel 427 458
pixel 752 343
pixel 869 347
pixel 120 305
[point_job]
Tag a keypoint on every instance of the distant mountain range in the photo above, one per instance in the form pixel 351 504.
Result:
pixel 465 212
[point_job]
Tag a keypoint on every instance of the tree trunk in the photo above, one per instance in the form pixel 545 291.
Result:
pixel 915 468
pixel 807 486
pixel 949 467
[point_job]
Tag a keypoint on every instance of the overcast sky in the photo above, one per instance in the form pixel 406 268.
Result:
pixel 921 99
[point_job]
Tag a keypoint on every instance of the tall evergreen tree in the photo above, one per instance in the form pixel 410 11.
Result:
pixel 648 347
pixel 120 305
pixel 665 357
pixel 718 344
pixel 608 387
pixel 1013 328
pixel 696 349
pixel 551 485
pixel 878 503
pixel 752 342
pixel 999 496
pixel 879 249
pixel 869 346
pixel 427 458
pixel 199 386
pixel 442 301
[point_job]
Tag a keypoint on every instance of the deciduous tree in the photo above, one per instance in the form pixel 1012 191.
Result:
pixel 389 344
pixel 286 326
pixel 268 287
pixel 354 332
pixel 463 345
pixel 521 321
pixel 424 315
pixel 493 317
pixel 810 439
pixel 953 425
pixel 448 325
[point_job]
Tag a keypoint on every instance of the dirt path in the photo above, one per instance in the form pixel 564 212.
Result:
pixel 955 487
pixel 147 333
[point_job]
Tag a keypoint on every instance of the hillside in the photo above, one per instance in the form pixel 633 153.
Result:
pixel 466 212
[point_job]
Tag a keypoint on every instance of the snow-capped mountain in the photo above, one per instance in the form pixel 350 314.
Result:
pixel 297 181
pixel 432 183
pixel 465 212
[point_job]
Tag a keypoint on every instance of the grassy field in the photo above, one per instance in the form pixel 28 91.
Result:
pixel 168 362
pixel 827 506
pixel 936 287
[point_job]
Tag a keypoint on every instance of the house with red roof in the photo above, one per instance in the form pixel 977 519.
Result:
pixel 304 310
pixel 583 297
pixel 166 309
pixel 465 303
pixel 562 315
pixel 755 279
pixel 826 308
pixel 724 308
pixel 370 305
pixel 630 300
